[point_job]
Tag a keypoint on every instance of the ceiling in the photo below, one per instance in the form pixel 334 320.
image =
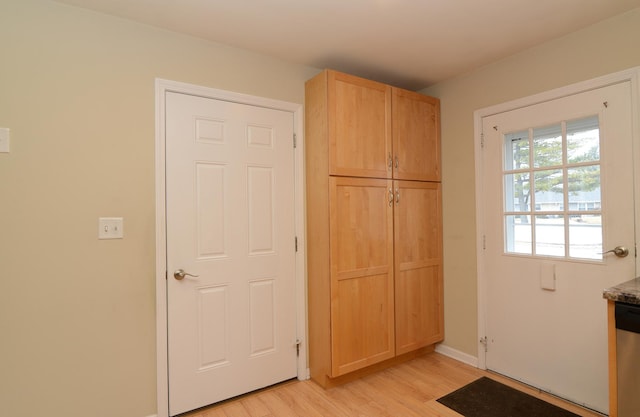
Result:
pixel 407 43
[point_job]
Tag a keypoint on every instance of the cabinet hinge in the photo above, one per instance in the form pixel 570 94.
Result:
pixel 295 141
pixel 483 341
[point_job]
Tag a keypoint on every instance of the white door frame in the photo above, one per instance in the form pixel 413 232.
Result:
pixel 162 87
pixel 632 75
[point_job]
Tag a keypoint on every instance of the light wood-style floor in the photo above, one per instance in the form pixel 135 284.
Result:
pixel 406 390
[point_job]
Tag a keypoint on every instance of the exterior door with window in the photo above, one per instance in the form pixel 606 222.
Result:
pixel 558 198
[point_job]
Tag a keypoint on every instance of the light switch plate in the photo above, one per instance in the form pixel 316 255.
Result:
pixel 110 228
pixel 4 139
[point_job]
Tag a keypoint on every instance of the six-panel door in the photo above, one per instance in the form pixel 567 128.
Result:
pixel 230 224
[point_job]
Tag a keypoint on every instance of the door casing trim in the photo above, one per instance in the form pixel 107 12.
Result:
pixel 162 87
pixel 631 75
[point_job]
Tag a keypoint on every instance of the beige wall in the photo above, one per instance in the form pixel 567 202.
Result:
pixel 77 315
pixel 601 49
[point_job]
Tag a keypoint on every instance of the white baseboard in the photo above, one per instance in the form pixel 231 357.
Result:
pixel 457 355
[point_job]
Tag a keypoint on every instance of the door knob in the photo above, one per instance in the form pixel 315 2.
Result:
pixel 619 251
pixel 179 274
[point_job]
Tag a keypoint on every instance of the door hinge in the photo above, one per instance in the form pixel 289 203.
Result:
pixel 484 242
pixel 166 275
pixel 298 343
pixel 295 141
pixel 483 341
pixel 296 243
pixel 482 140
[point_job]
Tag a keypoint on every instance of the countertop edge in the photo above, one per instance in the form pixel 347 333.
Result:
pixel 626 292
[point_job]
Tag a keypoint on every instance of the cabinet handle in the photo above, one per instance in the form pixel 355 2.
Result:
pixel 390 197
pixel 397 196
pixel 397 162
pixel 390 162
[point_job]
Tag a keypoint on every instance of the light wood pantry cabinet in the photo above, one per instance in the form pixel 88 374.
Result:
pixel 374 234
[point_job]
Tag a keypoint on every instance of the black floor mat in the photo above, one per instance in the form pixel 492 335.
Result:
pixel 485 397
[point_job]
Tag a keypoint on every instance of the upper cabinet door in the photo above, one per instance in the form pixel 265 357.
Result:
pixel 359 124
pixel 416 136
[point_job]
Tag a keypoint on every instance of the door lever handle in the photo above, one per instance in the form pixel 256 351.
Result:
pixel 179 274
pixel 619 251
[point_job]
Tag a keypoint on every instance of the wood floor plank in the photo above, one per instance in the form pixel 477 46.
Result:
pixel 404 397
pixel 301 404
pixel 254 406
pixel 408 390
pixel 320 400
pixel 235 409
pixel 276 406
pixel 438 410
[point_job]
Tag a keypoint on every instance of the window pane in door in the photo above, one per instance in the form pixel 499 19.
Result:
pixel 585 236
pixel 584 188
pixel 517 192
pixel 547 146
pixel 583 140
pixel 518 234
pixel 516 150
pixel 548 190
pixel 552 190
pixel 549 236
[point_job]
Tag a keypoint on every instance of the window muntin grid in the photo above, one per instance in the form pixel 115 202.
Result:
pixel 552 190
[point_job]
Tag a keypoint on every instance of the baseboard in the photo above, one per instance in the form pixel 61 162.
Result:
pixel 457 355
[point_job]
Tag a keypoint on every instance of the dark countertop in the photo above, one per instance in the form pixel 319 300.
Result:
pixel 627 292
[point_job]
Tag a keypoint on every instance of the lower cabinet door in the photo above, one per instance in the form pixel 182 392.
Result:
pixel 418 265
pixel 362 287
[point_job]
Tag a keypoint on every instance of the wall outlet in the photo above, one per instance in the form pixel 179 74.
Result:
pixel 110 228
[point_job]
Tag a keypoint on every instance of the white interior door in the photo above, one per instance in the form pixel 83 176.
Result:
pixel 558 191
pixel 230 225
